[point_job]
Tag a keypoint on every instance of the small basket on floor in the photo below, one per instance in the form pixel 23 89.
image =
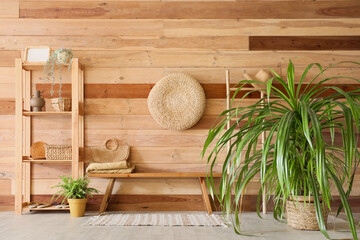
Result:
pixel 303 216
pixel 58 152
pixel 61 104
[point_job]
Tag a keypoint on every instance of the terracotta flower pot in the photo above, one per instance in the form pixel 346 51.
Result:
pixel 77 207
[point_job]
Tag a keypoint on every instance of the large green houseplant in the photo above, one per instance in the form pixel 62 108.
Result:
pixel 75 191
pixel 296 158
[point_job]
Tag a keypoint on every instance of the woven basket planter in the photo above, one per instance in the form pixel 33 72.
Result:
pixel 303 216
pixel 58 152
pixel 61 104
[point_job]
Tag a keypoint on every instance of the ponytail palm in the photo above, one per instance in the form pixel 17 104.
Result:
pixel 297 158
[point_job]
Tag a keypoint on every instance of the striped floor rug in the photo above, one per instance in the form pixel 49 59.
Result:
pixel 157 219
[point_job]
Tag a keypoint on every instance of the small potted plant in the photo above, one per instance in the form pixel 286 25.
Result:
pixel 76 192
pixel 60 57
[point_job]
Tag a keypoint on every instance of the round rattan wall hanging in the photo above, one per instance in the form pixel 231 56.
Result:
pixel 177 101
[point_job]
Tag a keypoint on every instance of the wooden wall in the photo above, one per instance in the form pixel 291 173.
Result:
pixel 127 46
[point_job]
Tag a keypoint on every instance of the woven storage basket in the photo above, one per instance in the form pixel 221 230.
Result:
pixel 303 216
pixel 177 101
pixel 58 152
pixel 37 150
pixel 61 104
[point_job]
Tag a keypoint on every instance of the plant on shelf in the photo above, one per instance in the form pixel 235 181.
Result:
pixel 301 157
pixel 59 58
pixel 75 191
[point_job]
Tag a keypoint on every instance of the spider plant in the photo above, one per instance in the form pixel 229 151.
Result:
pixel 296 158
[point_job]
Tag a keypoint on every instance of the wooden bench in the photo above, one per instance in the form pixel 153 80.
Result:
pixel 112 177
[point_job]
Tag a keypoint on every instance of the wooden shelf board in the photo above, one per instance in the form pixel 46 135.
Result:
pixel 30 160
pixel 27 113
pixel 51 208
pixel 153 175
pixel 37 66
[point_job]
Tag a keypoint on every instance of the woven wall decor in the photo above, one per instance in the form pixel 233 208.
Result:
pixel 177 101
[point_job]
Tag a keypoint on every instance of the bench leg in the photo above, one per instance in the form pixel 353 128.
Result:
pixel 205 195
pixel 107 195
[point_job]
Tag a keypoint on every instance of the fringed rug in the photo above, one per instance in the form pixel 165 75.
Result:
pixel 157 219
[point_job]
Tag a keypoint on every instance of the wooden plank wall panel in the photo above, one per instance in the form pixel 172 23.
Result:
pixel 193 10
pixel 262 43
pixel 123 43
pixel 127 46
pixel 145 28
pixel 9 8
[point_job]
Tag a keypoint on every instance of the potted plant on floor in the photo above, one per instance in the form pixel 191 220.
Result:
pixel 297 160
pixel 75 191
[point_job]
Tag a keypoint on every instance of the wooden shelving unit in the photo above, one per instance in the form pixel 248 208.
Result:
pixel 23 131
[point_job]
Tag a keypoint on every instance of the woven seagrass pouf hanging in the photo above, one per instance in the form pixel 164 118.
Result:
pixel 177 101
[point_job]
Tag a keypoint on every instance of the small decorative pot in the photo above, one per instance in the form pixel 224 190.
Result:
pixel 36 102
pixel 77 207
pixel 63 57
pixel 302 216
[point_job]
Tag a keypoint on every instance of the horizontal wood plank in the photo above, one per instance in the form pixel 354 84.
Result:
pixel 211 59
pixel 7 107
pixel 178 10
pixel 135 75
pixel 131 90
pixel 262 27
pixel 116 106
pixel 7 75
pixel 9 9
pixel 126 43
pixel 142 90
pixel 81 27
pixel 128 186
pixel 172 28
pixel 7 58
pixel 261 43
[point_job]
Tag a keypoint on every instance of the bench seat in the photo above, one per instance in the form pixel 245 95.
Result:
pixel 112 177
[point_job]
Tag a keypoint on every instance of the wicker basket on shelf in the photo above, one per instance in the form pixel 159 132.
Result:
pixel 61 104
pixel 58 152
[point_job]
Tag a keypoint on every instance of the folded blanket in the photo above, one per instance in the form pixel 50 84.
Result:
pixel 108 166
pixel 120 171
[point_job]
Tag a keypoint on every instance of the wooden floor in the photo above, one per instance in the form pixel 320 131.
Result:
pixel 53 226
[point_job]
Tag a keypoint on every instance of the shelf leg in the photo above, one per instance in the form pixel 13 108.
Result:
pixel 18 136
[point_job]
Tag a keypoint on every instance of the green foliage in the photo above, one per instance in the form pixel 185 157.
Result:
pixel 296 159
pixel 49 68
pixel 73 189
